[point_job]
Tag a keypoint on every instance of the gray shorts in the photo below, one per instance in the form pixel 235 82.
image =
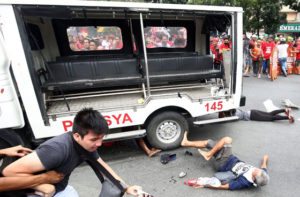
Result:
pixel 221 157
pixel 247 60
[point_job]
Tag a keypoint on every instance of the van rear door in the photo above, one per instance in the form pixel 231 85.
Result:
pixel 11 115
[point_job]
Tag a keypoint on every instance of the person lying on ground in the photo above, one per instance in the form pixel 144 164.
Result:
pixel 17 183
pixel 60 154
pixel 258 115
pixel 244 175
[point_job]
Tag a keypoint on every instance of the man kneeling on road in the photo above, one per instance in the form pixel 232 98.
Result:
pixel 61 155
pixel 233 173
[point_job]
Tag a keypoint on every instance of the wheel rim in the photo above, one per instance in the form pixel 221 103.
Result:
pixel 168 131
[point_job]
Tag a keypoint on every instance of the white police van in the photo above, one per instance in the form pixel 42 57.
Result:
pixel 146 67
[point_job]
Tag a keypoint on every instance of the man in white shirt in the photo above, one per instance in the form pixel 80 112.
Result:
pixel 282 55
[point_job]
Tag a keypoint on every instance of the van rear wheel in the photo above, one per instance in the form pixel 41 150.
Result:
pixel 165 130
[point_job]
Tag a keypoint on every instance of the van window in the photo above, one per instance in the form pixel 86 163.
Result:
pixel 94 38
pixel 165 37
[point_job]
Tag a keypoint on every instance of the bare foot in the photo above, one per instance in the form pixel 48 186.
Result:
pixel 184 141
pixel 153 152
pixel 291 119
pixel 265 161
pixel 204 154
pixel 288 111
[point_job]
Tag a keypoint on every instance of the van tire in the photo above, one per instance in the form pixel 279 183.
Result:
pixel 165 130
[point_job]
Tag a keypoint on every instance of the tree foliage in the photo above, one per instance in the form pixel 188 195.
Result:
pixel 293 4
pixel 258 14
pixel 213 2
pixel 271 17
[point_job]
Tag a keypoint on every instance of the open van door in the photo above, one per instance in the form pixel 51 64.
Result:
pixel 11 115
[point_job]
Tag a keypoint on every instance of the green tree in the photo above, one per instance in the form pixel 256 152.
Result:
pixel 251 17
pixel 271 17
pixel 264 14
pixel 293 4
pixel 258 14
pixel 213 2
pixel 174 1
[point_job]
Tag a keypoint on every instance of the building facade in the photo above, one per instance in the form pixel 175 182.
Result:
pixel 292 26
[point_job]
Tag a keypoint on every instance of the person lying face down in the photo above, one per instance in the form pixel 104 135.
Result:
pixel 258 115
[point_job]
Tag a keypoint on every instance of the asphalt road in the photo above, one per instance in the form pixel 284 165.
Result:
pixel 251 141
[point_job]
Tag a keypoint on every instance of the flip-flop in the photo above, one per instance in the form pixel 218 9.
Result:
pixel 165 158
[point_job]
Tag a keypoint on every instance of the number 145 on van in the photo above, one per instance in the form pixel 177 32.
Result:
pixel 215 106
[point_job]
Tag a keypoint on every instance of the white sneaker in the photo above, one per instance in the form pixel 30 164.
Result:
pixel 259 76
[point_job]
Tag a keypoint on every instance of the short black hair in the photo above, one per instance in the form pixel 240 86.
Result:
pixel 87 120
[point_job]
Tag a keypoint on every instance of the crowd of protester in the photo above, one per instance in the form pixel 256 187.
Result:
pixel 88 39
pixel 108 42
pixel 171 37
pixel 257 52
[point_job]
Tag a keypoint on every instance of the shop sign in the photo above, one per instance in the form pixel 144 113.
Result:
pixel 289 28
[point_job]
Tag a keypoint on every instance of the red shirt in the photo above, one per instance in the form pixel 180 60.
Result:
pixel 225 46
pixel 119 45
pixel 298 53
pixel 267 49
pixel 215 52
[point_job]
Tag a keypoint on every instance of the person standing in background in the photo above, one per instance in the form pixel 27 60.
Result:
pixel 255 53
pixel 267 48
pixel 246 54
pixel 282 55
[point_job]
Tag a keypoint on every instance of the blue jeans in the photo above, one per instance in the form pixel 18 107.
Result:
pixel 265 65
pixel 283 65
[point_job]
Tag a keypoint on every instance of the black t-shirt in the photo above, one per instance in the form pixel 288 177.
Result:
pixel 60 155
